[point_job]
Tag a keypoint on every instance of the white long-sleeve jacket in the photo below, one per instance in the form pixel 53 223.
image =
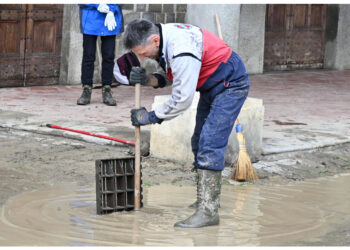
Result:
pixel 181 54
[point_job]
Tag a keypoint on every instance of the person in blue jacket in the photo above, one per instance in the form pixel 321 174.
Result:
pixel 106 21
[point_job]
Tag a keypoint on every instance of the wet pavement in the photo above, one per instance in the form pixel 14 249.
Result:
pixel 303 110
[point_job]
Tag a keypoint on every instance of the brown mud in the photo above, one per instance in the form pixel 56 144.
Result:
pixel 48 198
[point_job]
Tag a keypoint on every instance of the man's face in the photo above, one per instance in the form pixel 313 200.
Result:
pixel 150 50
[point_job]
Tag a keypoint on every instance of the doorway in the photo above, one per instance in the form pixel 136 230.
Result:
pixel 294 36
pixel 30 44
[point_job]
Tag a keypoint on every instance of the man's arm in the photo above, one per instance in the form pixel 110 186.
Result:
pixel 139 75
pixel 153 81
pixel 185 70
pixel 158 80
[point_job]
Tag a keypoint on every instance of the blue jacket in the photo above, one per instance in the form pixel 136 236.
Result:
pixel 92 22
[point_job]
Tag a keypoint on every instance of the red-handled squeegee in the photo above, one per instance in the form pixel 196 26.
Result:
pixel 92 134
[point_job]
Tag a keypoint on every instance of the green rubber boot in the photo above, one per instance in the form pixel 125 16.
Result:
pixel 107 96
pixel 85 97
pixel 209 187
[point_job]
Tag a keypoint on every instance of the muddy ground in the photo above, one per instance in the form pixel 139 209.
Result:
pixel 30 161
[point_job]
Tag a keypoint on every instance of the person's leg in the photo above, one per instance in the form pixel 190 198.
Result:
pixel 203 109
pixel 217 128
pixel 210 161
pixel 107 49
pixel 89 55
pixel 87 68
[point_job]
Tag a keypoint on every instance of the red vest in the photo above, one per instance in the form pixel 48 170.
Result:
pixel 215 51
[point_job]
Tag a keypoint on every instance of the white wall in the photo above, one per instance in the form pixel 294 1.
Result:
pixel 343 39
pixel 242 26
pixel 203 15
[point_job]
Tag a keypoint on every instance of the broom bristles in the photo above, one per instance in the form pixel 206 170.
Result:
pixel 244 169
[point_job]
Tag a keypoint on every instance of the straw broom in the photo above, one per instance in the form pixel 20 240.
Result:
pixel 244 169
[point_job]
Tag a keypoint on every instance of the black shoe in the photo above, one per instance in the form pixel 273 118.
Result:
pixel 107 96
pixel 85 96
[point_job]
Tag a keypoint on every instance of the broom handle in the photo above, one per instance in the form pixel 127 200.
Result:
pixel 218 25
pixel 137 149
pixel 241 175
pixel 220 35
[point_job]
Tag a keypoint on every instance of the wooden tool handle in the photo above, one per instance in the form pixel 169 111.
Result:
pixel 137 151
pixel 218 25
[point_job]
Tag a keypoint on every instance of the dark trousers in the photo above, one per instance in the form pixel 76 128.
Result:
pixel 89 52
pixel 214 124
pixel 217 111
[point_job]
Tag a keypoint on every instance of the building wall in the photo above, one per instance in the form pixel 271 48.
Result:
pixel 251 40
pixel 242 26
pixel 203 15
pixel 72 46
pixel 337 52
pixel 331 35
pixel 343 60
pixel 156 13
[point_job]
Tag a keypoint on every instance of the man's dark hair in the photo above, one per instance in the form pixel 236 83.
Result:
pixel 138 33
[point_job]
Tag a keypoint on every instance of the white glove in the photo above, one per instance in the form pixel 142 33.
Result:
pixel 110 21
pixel 103 8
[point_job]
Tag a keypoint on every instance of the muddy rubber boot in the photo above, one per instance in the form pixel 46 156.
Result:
pixel 107 96
pixel 85 96
pixel 195 204
pixel 209 183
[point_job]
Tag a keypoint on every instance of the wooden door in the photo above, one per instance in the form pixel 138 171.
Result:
pixel 43 44
pixel 30 52
pixel 294 36
pixel 12 44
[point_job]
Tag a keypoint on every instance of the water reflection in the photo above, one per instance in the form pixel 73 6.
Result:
pixel 250 215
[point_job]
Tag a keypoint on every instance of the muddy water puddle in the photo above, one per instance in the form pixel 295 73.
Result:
pixel 249 214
